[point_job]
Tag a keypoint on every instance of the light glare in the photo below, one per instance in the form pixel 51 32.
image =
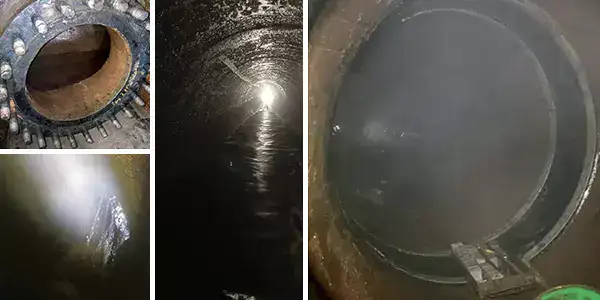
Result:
pixel 267 94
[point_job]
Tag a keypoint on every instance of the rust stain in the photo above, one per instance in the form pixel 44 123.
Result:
pixel 9 9
pixel 81 99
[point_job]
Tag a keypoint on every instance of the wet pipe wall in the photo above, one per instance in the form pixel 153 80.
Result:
pixel 231 123
pixel 74 227
pixel 433 122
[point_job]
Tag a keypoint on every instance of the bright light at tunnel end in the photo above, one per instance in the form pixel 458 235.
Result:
pixel 268 92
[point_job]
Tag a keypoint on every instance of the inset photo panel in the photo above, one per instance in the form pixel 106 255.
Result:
pixel 74 74
pixel 75 226
pixel 229 147
pixel 453 149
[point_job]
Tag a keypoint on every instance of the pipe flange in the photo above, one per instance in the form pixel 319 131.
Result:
pixel 97 99
pixel 563 188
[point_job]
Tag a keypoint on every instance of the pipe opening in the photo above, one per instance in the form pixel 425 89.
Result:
pixel 78 72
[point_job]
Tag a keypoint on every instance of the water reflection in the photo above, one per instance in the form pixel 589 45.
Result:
pixel 246 105
pixel 234 130
pixel 109 230
pixel 263 150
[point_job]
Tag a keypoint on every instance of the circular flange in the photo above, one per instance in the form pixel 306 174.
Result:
pixel 571 168
pixel 42 21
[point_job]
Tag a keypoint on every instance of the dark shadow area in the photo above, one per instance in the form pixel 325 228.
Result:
pixel 45 256
pixel 71 57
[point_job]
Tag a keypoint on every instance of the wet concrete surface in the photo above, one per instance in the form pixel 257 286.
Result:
pixel 74 227
pixel 572 259
pixel 235 149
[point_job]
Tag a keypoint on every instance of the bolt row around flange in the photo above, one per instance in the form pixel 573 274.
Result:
pixel 28 130
pixel 50 10
pixel 135 10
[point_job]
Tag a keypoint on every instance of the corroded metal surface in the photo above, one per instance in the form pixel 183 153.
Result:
pixel 9 9
pixel 76 101
pixel 134 134
pixel 69 58
pixel 88 103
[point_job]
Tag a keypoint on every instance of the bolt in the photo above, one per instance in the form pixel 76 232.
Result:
pixel 66 10
pixel 88 137
pixel 95 4
pixel 3 92
pixel 115 122
pixel 41 139
pixel 145 87
pixel 19 46
pixel 13 125
pixel 5 70
pixel 120 5
pixel 72 141
pixel 128 112
pixel 139 101
pixel 26 136
pixel 147 26
pixel 4 111
pixel 102 130
pixel 40 25
pixel 48 10
pixel 56 141
pixel 138 13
